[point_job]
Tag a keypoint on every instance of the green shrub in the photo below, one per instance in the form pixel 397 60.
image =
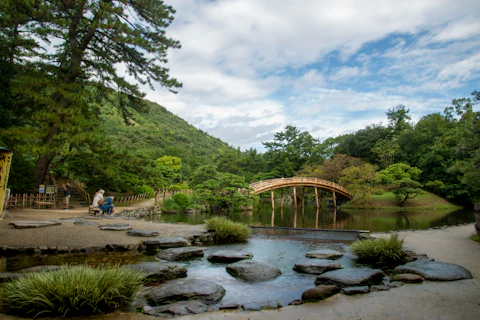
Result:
pixel 78 290
pixel 387 251
pixel 182 200
pixel 226 230
pixel 169 204
pixel 145 189
pixel 475 237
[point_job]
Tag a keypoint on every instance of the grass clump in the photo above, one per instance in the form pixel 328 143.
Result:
pixel 226 231
pixel 475 237
pixel 384 251
pixel 71 291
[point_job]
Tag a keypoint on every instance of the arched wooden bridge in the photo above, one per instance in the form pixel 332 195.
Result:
pixel 271 184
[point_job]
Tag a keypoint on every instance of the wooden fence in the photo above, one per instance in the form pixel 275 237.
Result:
pixel 162 194
pixel 29 199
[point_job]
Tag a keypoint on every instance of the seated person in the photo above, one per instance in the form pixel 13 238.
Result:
pixel 107 206
pixel 98 195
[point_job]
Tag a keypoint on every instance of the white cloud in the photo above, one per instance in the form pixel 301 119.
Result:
pixel 250 68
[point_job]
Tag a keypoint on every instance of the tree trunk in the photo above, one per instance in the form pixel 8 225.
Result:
pixel 41 169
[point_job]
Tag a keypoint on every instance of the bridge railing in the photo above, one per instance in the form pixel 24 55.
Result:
pixel 266 184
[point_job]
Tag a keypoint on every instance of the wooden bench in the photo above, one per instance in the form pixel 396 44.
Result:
pixel 46 204
pixel 94 210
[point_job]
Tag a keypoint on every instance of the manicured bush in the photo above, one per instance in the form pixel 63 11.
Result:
pixel 182 200
pixel 72 290
pixel 169 205
pixel 226 230
pixel 388 251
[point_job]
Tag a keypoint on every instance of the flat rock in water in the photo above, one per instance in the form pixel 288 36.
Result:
pixel 408 278
pixel 226 256
pixel 116 227
pixel 165 243
pixel 252 306
pixel 324 254
pixel 34 224
pixel 351 277
pixel 204 291
pixel 159 271
pixel 179 254
pixel 253 271
pixel 317 266
pixel 435 270
pixel 142 233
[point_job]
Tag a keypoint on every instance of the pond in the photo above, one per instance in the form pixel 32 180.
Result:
pixel 282 253
pixel 328 218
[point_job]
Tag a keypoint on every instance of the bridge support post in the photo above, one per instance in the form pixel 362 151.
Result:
pixel 334 200
pixel 295 207
pixel 272 194
pixel 316 197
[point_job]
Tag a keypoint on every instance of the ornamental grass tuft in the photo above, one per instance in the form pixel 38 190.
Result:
pixel 386 251
pixel 226 231
pixel 72 291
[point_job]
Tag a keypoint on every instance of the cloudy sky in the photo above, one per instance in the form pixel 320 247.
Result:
pixel 251 67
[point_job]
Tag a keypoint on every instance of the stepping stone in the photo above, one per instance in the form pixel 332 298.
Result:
pixel 204 291
pixel 435 270
pixel 152 245
pixel 324 254
pixel 142 233
pixel 355 290
pixel 408 278
pixel 179 254
pixel 226 256
pixel 116 227
pixel 351 277
pixel 159 271
pixel 317 266
pixel 34 224
pixel 86 223
pixel 253 271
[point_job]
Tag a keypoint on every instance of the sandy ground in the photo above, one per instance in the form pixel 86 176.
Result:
pixel 430 300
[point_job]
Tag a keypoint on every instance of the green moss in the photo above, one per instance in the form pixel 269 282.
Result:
pixel 475 237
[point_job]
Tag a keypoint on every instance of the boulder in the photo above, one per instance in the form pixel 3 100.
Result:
pixel 253 271
pixel 351 277
pixel 252 306
pixel 142 233
pixel 225 256
pixel 179 254
pixel 324 254
pixel 204 291
pixel 159 271
pixel 152 245
pixel 435 270
pixel 320 292
pixel 317 266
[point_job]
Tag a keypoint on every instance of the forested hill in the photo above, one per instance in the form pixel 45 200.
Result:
pixel 158 132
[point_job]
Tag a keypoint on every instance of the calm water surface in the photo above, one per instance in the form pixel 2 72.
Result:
pixel 327 218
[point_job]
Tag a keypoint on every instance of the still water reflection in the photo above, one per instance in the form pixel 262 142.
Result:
pixel 328 218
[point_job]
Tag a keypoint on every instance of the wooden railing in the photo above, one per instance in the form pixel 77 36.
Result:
pixel 162 194
pixel 29 199
pixel 131 199
pixel 270 184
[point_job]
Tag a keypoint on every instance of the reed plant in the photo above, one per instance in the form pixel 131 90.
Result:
pixel 383 251
pixel 227 231
pixel 71 291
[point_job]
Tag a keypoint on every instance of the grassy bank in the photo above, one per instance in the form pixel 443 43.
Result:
pixel 387 201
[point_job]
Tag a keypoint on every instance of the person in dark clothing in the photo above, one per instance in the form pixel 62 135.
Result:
pixel 107 206
pixel 66 195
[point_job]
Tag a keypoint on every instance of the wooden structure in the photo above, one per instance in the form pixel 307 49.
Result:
pixel 294 182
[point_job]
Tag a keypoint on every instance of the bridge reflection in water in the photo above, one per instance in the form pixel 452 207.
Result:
pixel 335 189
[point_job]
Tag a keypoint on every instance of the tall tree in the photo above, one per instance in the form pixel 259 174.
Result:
pixel 79 45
